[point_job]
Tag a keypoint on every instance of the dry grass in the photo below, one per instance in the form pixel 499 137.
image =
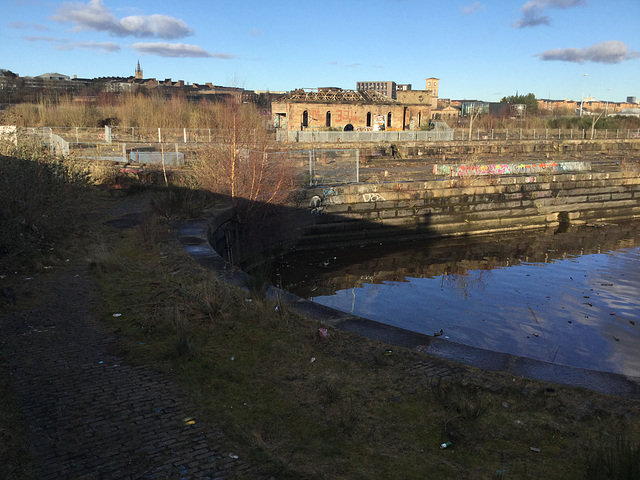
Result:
pixel 306 407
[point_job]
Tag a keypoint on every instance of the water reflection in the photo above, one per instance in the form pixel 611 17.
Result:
pixel 571 298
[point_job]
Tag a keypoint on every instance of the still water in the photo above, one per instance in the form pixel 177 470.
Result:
pixel 570 298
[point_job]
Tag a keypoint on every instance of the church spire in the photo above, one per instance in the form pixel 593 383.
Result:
pixel 138 70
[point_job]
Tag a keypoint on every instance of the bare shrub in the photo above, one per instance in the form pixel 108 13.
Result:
pixel 240 164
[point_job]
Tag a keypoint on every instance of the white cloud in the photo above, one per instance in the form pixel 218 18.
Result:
pixel 95 16
pixel 181 50
pixel 610 52
pixel 471 9
pixel 533 11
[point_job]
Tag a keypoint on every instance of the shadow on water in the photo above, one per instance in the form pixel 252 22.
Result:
pixel 556 296
pixel 358 254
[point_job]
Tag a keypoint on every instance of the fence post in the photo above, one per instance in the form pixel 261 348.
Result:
pixel 209 135
pixel 124 153
pixel 559 134
pixel 310 168
pixel 357 165
pixel 520 134
pixel 184 134
pixel 159 136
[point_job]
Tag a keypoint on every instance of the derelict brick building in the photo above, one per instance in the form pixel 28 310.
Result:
pixel 337 109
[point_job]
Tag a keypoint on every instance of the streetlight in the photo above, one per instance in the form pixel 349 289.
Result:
pixel 584 78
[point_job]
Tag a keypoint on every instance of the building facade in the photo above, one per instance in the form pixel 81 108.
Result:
pixel 337 109
pixel 388 89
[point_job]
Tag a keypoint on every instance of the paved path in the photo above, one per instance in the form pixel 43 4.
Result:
pixel 89 415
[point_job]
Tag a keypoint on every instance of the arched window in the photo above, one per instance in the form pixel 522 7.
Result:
pixel 368 119
pixel 328 122
pixel 305 119
pixel 389 119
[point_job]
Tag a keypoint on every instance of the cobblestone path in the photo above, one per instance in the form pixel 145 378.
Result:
pixel 89 415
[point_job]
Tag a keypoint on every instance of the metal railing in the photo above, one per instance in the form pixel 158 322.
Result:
pixel 458 134
pixel 141 135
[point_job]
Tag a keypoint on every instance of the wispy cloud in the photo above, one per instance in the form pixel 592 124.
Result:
pixel 106 47
pixel 33 38
pixel 471 9
pixel 610 52
pixel 18 25
pixel 66 44
pixel 180 50
pixel 95 16
pixel 345 65
pixel 533 12
pixel 256 32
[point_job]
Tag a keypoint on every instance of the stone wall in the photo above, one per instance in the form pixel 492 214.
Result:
pixel 511 148
pixel 471 205
pixel 358 215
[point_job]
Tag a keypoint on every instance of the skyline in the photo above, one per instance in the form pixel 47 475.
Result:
pixel 479 50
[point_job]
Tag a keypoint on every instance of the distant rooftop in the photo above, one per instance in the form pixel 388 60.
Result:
pixel 336 95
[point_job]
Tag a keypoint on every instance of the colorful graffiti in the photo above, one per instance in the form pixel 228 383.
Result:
pixel 510 168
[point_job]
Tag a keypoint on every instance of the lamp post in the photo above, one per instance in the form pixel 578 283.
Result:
pixel 584 78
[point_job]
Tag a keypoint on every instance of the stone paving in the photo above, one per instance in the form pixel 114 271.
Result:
pixel 89 415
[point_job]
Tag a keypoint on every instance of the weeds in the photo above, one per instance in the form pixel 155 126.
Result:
pixel 466 402
pixel 349 413
pixel 614 460
pixel 38 202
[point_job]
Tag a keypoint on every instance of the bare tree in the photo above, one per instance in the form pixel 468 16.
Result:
pixel 474 112
pixel 594 120
pixel 241 164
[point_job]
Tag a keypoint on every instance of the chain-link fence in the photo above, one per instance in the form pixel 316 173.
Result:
pixel 312 166
pixel 326 166
pixel 148 135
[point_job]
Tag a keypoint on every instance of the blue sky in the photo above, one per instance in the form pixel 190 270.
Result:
pixel 484 49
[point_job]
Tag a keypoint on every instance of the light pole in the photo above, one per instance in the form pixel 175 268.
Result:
pixel 584 78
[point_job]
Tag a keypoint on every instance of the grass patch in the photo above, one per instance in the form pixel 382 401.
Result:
pixel 305 407
pixel 308 407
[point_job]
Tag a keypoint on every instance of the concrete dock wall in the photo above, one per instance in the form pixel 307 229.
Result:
pixel 447 206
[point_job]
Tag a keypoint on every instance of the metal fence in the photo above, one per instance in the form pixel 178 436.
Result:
pixel 458 134
pixel 184 136
pixel 543 134
pixel 327 166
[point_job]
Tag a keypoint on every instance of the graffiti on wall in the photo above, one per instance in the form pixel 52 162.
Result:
pixel 510 168
pixel 373 197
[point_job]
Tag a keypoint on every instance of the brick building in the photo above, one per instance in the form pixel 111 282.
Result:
pixel 367 108
pixel 334 108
